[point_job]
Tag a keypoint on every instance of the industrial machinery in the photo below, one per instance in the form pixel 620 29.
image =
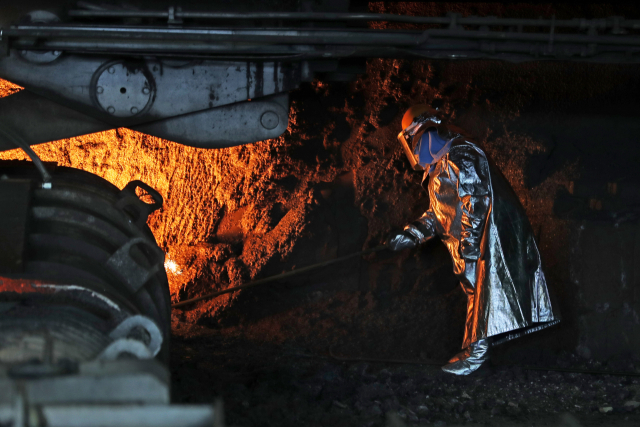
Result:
pixel 194 76
pixel 84 302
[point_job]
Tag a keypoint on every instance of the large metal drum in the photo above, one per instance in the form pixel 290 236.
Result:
pixel 89 278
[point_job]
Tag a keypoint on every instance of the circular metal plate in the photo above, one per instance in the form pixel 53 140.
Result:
pixel 122 91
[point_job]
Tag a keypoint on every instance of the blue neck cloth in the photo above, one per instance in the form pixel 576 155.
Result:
pixel 430 148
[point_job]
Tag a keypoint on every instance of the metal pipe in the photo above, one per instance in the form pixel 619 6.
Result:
pixel 241 35
pixel 118 14
pixel 366 17
pixel 296 36
pixel 145 46
pixel 514 54
pixel 537 37
pixel 452 49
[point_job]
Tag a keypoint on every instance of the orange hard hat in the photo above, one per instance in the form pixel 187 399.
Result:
pixel 414 112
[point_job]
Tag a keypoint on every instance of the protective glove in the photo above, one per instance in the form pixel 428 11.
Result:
pixel 398 241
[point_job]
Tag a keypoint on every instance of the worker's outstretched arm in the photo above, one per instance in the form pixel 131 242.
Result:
pixel 414 234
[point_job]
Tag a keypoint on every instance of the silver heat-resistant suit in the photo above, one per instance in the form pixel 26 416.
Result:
pixel 479 218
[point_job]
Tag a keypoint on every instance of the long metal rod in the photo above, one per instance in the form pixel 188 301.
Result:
pixel 614 22
pixel 111 46
pixel 279 276
pixel 298 36
pixel 509 51
pixel 508 55
pixel 234 35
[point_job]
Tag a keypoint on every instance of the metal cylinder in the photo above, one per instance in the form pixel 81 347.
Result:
pixel 91 283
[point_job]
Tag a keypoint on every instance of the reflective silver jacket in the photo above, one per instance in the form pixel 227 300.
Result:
pixel 477 215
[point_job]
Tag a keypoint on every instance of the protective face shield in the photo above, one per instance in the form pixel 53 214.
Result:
pixel 421 142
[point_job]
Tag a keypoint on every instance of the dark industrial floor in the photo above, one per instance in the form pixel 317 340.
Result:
pixel 264 385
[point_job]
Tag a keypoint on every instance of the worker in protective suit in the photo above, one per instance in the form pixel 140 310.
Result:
pixel 479 218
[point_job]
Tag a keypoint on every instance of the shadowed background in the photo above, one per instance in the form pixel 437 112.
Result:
pixel 564 135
